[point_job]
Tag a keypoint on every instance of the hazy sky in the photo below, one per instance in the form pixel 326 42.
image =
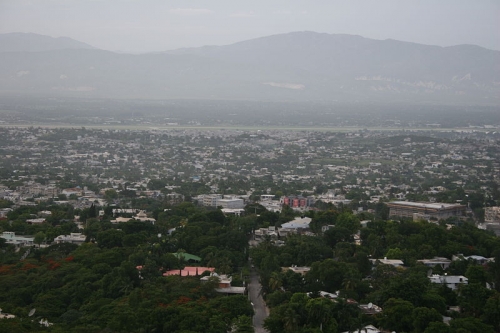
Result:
pixel 157 25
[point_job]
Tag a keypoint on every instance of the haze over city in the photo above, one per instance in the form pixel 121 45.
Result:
pixel 249 167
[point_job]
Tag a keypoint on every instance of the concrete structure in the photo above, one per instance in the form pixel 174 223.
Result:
pixel 451 281
pixel 72 238
pixel 211 200
pixel 433 210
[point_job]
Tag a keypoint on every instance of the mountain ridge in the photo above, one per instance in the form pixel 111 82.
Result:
pixel 32 42
pixel 299 66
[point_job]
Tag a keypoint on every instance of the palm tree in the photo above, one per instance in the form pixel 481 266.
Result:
pixel 275 281
pixel 320 310
pixel 290 320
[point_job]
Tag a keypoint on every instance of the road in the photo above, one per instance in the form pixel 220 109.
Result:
pixel 260 308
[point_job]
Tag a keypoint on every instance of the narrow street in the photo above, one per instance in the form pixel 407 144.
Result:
pixel 260 308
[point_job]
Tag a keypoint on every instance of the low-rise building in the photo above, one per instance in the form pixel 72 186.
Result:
pixel 72 238
pixel 189 271
pixel 444 263
pixel 451 281
pixel 302 270
pixel 11 238
pixel 141 216
pixel 385 261
pixel 225 284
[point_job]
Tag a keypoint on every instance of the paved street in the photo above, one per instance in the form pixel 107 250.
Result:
pixel 261 310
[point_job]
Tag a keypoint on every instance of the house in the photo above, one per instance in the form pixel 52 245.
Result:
pixel 141 216
pixel 225 284
pixel 444 263
pixel 295 269
pixel 35 221
pixel 370 309
pixel 451 281
pixel 6 315
pixel 475 258
pixel 299 224
pixel 232 211
pixel 385 261
pixel 327 227
pixel 366 329
pixel 4 212
pixel 189 271
pixel 326 295
pixel 269 231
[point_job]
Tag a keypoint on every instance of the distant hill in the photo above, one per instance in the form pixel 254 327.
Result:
pixel 29 42
pixel 298 66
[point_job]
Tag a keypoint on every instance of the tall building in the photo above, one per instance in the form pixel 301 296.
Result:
pixel 297 201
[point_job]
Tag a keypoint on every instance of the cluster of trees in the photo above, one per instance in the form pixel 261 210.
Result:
pixel 97 287
pixel 410 302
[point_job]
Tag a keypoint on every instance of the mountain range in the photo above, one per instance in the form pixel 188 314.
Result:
pixel 298 66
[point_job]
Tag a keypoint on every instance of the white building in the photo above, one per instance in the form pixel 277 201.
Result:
pixel 11 238
pixel 298 223
pixel 451 281
pixel 230 203
pixel 141 216
pixel 73 238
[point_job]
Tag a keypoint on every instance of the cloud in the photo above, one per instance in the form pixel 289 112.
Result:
pixel 191 11
pixel 242 14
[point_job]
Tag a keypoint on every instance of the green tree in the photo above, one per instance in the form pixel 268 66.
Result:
pixel 469 325
pixel 243 324
pixel 396 315
pixel 39 238
pixel 491 314
pixel 110 238
pixel 422 317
